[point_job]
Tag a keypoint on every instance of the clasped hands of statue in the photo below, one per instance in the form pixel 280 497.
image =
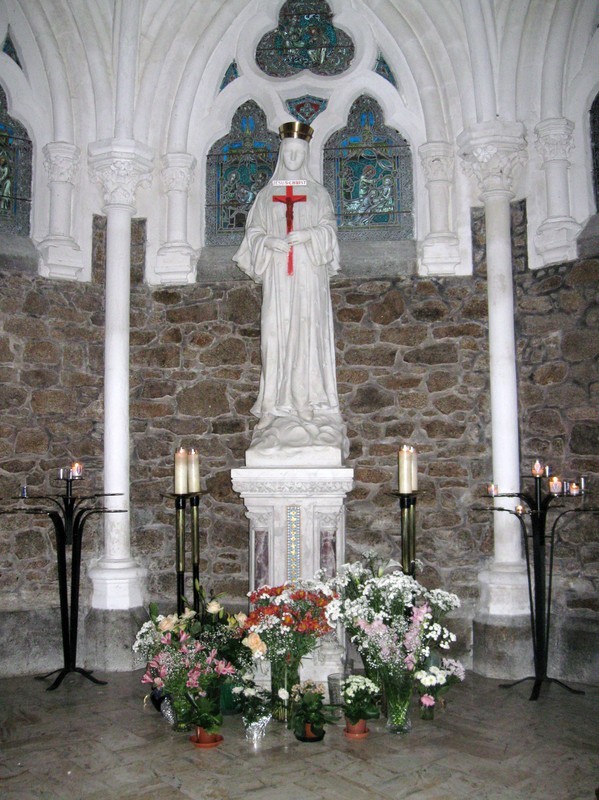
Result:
pixel 285 245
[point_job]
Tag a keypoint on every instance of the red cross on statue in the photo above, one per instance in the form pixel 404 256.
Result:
pixel 289 199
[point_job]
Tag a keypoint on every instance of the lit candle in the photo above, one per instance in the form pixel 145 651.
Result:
pixel 555 485
pixel 181 471
pixel 193 471
pixel 519 510
pixel 405 470
pixel 574 489
pixel 414 457
pixel 76 470
pixel 492 490
pixel 537 469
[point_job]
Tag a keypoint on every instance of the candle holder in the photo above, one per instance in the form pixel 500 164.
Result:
pixel 194 505
pixel 407 506
pixel 69 514
pixel 539 572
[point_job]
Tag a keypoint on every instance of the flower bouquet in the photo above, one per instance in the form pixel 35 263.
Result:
pixel 395 624
pixel 179 667
pixel 359 703
pixel 255 706
pixel 432 683
pixel 284 625
pixel 308 712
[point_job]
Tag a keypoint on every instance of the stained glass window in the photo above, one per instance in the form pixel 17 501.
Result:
pixel 10 50
pixel 305 38
pixel 15 173
pixel 384 70
pixel 230 75
pixel 595 147
pixel 368 172
pixel 306 108
pixel 239 165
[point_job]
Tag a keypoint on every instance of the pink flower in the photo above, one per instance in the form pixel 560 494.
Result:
pixel 147 678
pixel 183 637
pixel 166 639
pixel 224 668
pixel 427 700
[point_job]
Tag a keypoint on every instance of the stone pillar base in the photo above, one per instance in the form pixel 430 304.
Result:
pixel 109 638
pixel 555 240
pixel 60 257
pixel 502 647
pixel 176 264
pixel 117 584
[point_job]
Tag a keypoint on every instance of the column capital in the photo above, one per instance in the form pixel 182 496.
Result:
pixel 437 161
pixel 493 152
pixel 177 171
pixel 554 139
pixel 62 161
pixel 120 166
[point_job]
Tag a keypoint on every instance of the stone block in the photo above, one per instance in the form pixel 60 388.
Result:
pixel 502 647
pixel 109 637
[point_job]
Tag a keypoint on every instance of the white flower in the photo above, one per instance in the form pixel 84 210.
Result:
pixel 214 607
pixel 283 694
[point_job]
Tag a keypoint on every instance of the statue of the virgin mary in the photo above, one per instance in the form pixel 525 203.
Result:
pixel 290 247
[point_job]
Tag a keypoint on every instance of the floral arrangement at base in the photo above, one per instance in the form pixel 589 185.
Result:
pixel 178 666
pixel 283 626
pixel 434 682
pixel 359 699
pixel 308 712
pixel 396 625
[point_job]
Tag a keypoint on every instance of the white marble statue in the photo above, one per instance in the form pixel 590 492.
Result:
pixel 290 247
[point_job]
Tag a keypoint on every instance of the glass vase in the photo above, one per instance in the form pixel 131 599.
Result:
pixel 427 712
pixel 398 694
pixel 284 673
pixel 182 713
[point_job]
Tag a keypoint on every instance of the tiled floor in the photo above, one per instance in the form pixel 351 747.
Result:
pixel 99 742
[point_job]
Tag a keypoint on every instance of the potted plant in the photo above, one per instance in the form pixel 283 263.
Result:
pixel 205 715
pixel 359 703
pixel 309 714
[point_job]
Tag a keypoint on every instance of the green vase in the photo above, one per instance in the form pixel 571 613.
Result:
pixel 427 712
pixel 284 674
pixel 398 694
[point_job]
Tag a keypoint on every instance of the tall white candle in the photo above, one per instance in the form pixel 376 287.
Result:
pixel 193 471
pixel 405 470
pixel 414 456
pixel 181 471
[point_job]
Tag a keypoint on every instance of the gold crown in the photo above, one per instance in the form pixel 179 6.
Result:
pixel 295 130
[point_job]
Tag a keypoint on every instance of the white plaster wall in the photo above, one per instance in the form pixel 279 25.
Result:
pixel 457 62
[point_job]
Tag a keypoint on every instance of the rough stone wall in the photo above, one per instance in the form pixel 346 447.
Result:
pixel 412 367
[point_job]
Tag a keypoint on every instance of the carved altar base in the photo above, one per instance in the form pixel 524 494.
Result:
pixel 297 527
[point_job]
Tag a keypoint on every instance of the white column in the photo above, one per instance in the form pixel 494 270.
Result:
pixel 176 261
pixel 119 166
pixel 60 256
pixel 555 240
pixel 493 152
pixel 438 252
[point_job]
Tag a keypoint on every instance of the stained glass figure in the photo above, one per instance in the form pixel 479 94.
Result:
pixel 15 173
pixel 368 172
pixel 305 38
pixel 239 165
pixel 306 108
pixel 594 114
pixel 230 75
pixel 384 70
pixel 10 50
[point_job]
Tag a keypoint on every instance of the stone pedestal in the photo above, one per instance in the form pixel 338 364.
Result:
pixel 297 527
pixel 297 520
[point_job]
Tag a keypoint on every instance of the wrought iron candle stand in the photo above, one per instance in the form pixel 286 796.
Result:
pixel 539 576
pixel 194 506
pixel 68 517
pixel 407 505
